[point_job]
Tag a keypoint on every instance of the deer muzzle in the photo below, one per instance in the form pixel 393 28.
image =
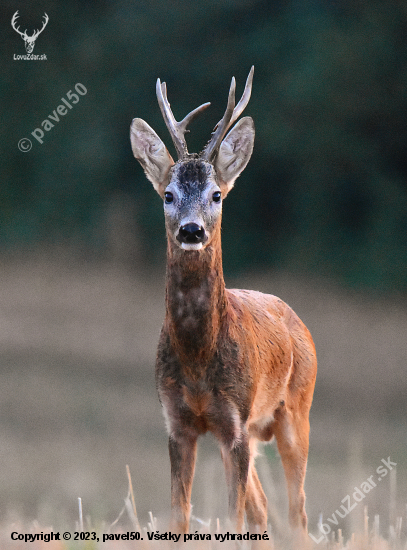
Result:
pixel 191 234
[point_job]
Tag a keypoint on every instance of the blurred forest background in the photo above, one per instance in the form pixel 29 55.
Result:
pixel 319 217
pixel 327 185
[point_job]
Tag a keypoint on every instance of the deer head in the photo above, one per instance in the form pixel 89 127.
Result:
pixel 194 186
pixel 29 40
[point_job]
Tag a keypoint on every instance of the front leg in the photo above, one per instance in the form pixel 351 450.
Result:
pixel 182 457
pixel 236 461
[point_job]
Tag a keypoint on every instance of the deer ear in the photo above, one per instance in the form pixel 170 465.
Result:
pixel 234 153
pixel 151 153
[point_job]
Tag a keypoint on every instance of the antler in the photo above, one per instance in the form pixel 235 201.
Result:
pixel 176 129
pixel 37 32
pixel 13 24
pixel 232 113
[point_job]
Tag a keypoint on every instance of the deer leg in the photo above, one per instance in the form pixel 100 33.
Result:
pixel 236 461
pixel 256 503
pixel 292 442
pixel 256 500
pixel 182 457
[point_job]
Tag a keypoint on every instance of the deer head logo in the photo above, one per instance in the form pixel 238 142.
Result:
pixel 28 40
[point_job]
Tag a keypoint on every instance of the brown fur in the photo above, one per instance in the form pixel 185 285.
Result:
pixel 237 363
pixel 241 365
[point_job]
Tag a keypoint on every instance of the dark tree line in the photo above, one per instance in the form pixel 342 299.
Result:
pixel 326 189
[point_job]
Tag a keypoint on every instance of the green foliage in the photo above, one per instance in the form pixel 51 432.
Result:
pixel 326 189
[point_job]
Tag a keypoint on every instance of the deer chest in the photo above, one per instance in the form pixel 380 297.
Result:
pixel 213 395
pixel 196 409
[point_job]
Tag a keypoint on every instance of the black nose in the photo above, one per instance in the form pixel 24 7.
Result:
pixel 191 233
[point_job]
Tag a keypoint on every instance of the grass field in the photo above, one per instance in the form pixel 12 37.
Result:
pixel 126 532
pixel 78 403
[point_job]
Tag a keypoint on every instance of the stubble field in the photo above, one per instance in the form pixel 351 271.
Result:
pixel 78 404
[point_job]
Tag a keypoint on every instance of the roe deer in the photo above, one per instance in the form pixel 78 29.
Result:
pixel 237 363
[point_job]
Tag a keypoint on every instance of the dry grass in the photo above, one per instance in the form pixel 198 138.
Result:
pixel 367 536
pixel 78 403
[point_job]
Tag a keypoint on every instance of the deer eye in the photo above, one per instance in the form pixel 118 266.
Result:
pixel 169 197
pixel 217 196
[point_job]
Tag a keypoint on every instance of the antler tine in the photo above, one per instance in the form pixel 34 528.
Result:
pixel 38 32
pixel 176 129
pixel 13 24
pixel 222 125
pixel 192 115
pixel 169 118
pixel 244 100
pixel 46 19
pixel 232 113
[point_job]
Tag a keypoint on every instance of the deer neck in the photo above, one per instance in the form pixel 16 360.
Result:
pixel 196 301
